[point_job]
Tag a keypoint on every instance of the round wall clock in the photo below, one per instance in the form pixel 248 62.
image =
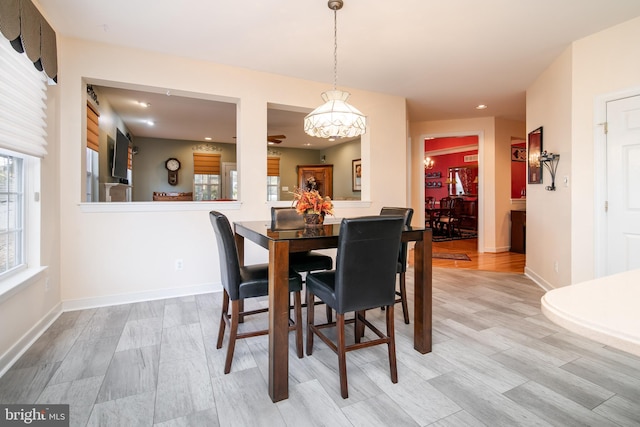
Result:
pixel 172 166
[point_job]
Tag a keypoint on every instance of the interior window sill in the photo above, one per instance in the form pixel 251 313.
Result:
pixel 13 284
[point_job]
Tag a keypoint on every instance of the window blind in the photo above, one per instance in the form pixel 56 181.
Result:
pixel 206 163
pixel 23 95
pixel 273 166
pixel 92 129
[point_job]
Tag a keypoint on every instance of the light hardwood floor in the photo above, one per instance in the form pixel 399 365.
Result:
pixel 510 262
pixel 496 361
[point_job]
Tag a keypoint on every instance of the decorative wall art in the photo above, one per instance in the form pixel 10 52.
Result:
pixel 534 150
pixel 356 175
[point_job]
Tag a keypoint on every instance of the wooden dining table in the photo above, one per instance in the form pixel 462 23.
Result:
pixel 281 243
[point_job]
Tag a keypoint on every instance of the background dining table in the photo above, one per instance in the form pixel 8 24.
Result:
pixel 281 243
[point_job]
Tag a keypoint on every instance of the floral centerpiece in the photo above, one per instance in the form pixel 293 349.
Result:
pixel 312 205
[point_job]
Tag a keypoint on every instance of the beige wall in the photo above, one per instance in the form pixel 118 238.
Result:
pixel 568 100
pixel 549 219
pixel 605 65
pixel 137 244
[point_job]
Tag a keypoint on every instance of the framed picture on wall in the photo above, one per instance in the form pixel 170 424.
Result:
pixel 518 154
pixel 534 149
pixel 356 175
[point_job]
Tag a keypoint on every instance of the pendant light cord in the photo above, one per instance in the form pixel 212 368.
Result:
pixel 335 48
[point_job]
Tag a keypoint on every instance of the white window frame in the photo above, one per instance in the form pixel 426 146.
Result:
pixel 273 182
pixel 211 186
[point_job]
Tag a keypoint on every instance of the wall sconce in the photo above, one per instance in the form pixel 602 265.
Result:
pixel 550 161
pixel 428 163
pixel 450 181
pixel 475 180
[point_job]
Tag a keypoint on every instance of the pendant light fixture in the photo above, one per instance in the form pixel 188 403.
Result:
pixel 335 118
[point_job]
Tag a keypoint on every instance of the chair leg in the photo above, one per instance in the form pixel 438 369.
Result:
pixel 233 333
pixel 342 356
pixel 392 345
pixel 297 307
pixel 310 315
pixel 358 327
pixel 403 297
pixel 329 314
pixel 224 311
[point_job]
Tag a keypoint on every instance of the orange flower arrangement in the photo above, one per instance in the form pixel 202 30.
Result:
pixel 311 202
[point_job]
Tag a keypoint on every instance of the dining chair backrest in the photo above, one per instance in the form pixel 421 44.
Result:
pixel 445 203
pixel 407 214
pixel 227 253
pixel 286 218
pixel 366 262
pixel 430 202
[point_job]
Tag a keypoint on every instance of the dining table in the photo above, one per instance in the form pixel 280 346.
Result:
pixel 280 243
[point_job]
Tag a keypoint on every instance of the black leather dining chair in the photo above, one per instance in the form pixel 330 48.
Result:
pixel 286 218
pixel 407 214
pixel 364 278
pixel 242 282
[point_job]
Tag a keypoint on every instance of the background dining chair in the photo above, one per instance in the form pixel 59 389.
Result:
pixel 450 220
pixel 430 215
pixel 407 214
pixel 286 218
pixel 364 278
pixel 242 282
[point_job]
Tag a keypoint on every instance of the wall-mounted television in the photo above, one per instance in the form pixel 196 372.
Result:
pixel 120 156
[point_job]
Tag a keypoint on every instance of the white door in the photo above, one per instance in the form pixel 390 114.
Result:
pixel 623 185
pixel 229 181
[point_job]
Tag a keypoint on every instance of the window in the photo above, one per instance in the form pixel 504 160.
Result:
pixel 23 95
pixel 11 212
pixel 206 187
pixel 206 176
pixel 92 160
pixel 273 184
pixel 273 178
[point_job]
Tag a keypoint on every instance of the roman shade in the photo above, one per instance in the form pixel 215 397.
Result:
pixel 92 129
pixel 206 164
pixel 273 166
pixel 27 30
pixel 23 107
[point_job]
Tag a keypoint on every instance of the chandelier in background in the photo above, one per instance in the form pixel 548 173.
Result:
pixel 428 163
pixel 335 118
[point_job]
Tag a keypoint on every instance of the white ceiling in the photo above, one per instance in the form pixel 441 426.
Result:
pixel 445 57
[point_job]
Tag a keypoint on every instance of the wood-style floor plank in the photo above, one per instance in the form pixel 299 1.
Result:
pixel 496 360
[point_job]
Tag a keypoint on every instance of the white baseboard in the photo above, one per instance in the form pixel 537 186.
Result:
pixel 12 355
pixel 537 279
pixel 104 301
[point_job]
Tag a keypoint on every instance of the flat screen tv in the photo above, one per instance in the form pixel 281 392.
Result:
pixel 120 156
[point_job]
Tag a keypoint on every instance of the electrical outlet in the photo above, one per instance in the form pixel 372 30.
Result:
pixel 47 285
pixel 555 266
pixel 179 265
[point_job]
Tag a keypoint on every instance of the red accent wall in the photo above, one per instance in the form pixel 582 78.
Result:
pixel 449 142
pixel 442 164
pixel 518 175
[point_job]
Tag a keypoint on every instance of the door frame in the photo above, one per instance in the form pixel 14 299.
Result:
pixel 481 203
pixel 600 174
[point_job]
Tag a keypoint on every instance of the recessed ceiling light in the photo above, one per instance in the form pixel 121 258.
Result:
pixel 208 138
pixel 481 107
pixel 150 122
pixel 144 104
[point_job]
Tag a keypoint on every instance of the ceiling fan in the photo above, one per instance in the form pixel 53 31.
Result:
pixel 275 139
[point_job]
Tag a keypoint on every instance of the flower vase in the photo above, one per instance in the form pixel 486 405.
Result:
pixel 313 220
